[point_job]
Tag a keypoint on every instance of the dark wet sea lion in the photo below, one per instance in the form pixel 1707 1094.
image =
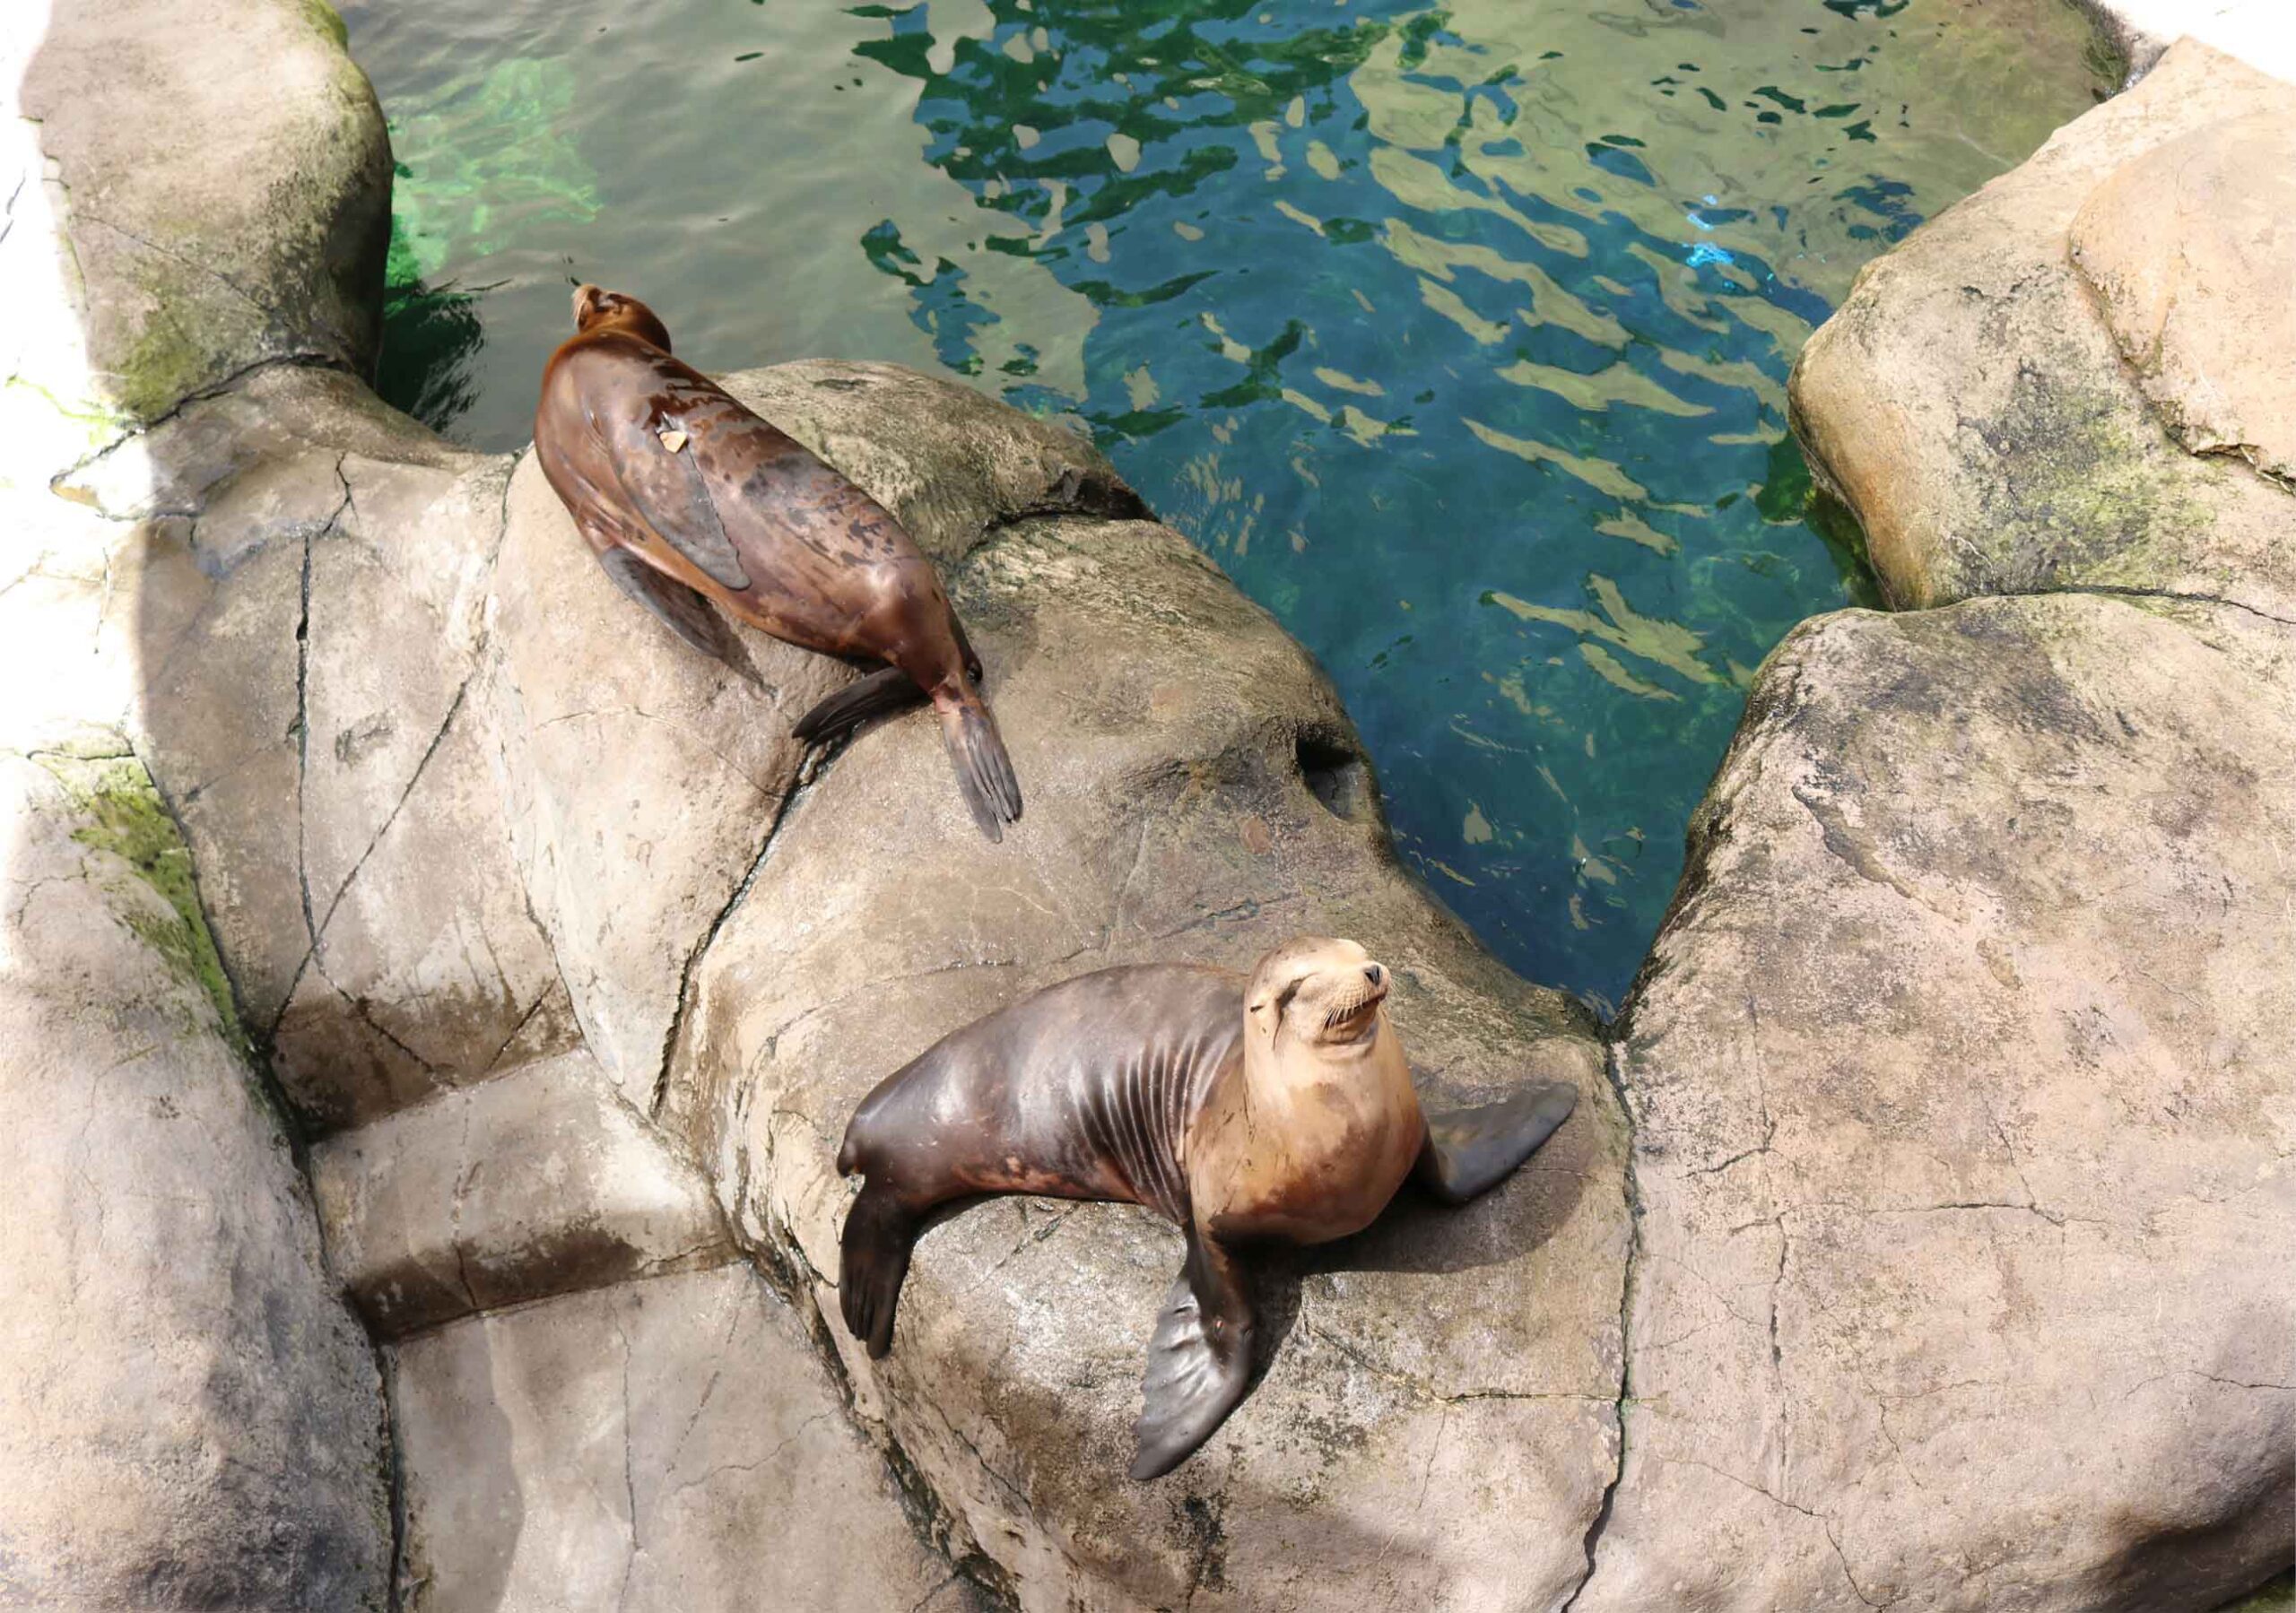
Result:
pixel 1278 1107
pixel 685 494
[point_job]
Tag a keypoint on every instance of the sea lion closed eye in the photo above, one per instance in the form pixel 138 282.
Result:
pixel 1274 1106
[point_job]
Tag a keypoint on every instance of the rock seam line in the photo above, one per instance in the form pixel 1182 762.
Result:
pixel 1613 1069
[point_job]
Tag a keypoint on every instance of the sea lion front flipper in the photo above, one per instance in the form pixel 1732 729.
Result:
pixel 1471 1150
pixel 880 1231
pixel 679 608
pixel 670 488
pixel 1198 1361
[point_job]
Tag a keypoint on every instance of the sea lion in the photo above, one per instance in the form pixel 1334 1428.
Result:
pixel 684 494
pixel 1277 1106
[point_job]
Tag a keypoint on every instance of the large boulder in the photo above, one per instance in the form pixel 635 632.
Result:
pixel 1964 1096
pixel 2192 251
pixel 1438 1420
pixel 189 1414
pixel 260 236
pixel 1970 403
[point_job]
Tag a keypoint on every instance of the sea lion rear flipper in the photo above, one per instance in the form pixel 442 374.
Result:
pixel 1472 1150
pixel 984 772
pixel 1198 1361
pixel 888 688
pixel 680 608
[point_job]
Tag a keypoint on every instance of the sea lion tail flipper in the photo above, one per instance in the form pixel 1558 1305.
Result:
pixel 1472 1150
pixel 879 1233
pixel 679 608
pixel 984 772
pixel 1199 1360
pixel 888 688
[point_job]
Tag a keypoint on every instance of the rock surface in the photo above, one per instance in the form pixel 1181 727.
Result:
pixel 673 1444
pixel 2192 250
pixel 190 1415
pixel 1965 1113
pixel 305 633
pixel 1970 403
pixel 534 1184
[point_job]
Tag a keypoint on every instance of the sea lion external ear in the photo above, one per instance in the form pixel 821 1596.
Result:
pixel 1198 1361
pixel 1469 1151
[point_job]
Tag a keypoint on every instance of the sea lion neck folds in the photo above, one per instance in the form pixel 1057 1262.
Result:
pixel 1243 1109
pixel 689 499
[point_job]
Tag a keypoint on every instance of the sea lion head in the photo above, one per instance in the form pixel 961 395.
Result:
pixel 596 308
pixel 1329 996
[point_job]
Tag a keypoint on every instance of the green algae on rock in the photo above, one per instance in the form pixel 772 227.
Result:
pixel 128 818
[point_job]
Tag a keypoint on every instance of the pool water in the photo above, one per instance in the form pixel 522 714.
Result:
pixel 1457 335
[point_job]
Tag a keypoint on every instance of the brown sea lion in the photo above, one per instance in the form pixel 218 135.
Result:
pixel 684 494
pixel 1274 1107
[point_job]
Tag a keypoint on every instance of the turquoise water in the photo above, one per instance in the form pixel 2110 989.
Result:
pixel 1459 334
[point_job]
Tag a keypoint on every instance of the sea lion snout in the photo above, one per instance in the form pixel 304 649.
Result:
pixel 586 302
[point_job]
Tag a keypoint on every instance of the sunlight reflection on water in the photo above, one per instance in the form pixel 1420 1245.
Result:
pixel 1457 335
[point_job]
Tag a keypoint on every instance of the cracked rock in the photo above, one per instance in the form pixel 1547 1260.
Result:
pixel 1964 1115
pixel 671 1444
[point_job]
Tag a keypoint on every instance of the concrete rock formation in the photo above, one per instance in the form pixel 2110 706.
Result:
pixel 2191 249
pixel 1970 403
pixel 1964 1165
pixel 192 1416
pixel 1917 1242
